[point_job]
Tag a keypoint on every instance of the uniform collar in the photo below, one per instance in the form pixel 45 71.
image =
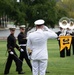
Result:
pixel 39 29
pixel 12 34
pixel 21 32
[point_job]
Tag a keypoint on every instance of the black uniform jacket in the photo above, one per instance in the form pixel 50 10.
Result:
pixel 11 42
pixel 58 33
pixel 22 38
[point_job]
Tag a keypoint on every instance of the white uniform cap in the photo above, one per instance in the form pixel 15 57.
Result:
pixel 39 22
pixel 22 26
pixel 12 28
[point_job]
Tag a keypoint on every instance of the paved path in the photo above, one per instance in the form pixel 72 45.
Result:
pixel 4 33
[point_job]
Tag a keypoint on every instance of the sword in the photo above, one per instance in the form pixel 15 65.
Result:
pixel 17 58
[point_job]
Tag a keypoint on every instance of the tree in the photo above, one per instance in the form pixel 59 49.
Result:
pixel 60 13
pixel 40 9
pixel 67 6
pixel 27 11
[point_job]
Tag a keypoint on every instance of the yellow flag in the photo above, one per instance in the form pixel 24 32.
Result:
pixel 65 41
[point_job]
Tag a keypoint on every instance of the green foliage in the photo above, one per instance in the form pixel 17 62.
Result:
pixel 67 7
pixel 41 9
pixel 60 13
pixel 27 11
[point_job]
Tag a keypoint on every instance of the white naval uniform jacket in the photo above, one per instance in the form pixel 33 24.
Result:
pixel 37 42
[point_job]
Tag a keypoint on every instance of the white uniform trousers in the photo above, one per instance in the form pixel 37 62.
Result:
pixel 39 67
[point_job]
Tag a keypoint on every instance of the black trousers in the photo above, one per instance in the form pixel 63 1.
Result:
pixel 73 48
pixel 73 45
pixel 68 51
pixel 62 53
pixel 23 55
pixel 9 63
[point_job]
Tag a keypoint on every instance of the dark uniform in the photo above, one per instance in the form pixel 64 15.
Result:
pixel 62 53
pixel 22 42
pixel 68 51
pixel 72 28
pixel 73 42
pixel 11 44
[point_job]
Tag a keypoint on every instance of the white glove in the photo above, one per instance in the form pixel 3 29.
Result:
pixel 61 34
pixel 21 50
pixel 73 30
pixel 45 28
pixel 69 32
pixel 11 53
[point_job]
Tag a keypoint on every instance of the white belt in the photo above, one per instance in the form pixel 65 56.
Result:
pixel 22 45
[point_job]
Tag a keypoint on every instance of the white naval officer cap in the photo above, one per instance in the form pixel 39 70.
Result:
pixel 12 28
pixel 22 26
pixel 39 22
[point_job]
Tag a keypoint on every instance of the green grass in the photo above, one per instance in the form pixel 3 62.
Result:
pixel 56 65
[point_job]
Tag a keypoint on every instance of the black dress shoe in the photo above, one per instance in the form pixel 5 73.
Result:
pixel 16 70
pixel 47 72
pixel 6 73
pixel 21 72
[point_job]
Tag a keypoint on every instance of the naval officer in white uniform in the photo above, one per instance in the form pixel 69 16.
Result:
pixel 37 44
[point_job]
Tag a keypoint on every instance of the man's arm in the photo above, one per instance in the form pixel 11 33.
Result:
pixel 29 45
pixel 17 47
pixel 21 39
pixel 9 47
pixel 50 33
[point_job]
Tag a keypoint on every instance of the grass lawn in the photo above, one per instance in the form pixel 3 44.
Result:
pixel 56 65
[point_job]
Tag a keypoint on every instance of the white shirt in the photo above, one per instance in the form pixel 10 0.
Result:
pixel 37 42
